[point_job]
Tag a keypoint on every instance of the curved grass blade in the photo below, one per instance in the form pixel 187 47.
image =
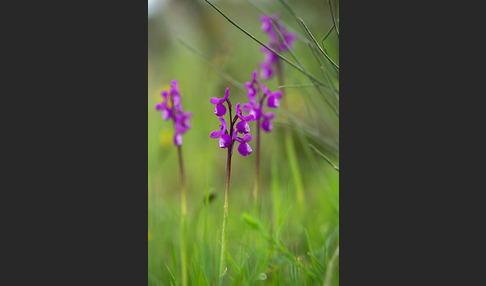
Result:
pixel 333 18
pixel 324 157
pixel 317 44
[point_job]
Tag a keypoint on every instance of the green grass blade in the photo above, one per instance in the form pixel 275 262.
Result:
pixel 317 44
pixel 324 157
pixel 333 18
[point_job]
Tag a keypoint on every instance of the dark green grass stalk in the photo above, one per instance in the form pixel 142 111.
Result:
pixel 333 18
pixel 324 157
pixel 319 47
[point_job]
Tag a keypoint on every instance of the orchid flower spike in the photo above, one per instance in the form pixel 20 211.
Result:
pixel 171 108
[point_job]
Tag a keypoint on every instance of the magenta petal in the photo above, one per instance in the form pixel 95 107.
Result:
pixel 215 134
pixel 242 127
pixel 166 113
pixel 224 141
pixel 220 110
pixel 244 149
pixel 159 106
pixel 267 125
pixel 249 117
pixel 164 94
pixel 256 113
pixel 266 72
pixel 174 84
pixel 255 75
pixel 178 139
pixel 277 94
pixel 223 122
pixel 247 107
pixel 215 100
pixel 226 95
pixel 272 102
pixel 265 89
pixel 246 138
pixel 269 115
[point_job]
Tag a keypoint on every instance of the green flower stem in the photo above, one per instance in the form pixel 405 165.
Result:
pixel 224 233
pixel 183 218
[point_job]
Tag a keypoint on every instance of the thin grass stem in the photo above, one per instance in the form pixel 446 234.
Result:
pixel 324 157
pixel 333 18
pixel 224 234
pixel 325 36
pixel 317 44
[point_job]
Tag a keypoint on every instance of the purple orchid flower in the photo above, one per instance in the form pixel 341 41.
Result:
pixel 220 109
pixel 242 126
pixel 267 121
pixel 273 97
pixel 224 138
pixel 181 119
pixel 227 136
pixel 166 111
pixel 252 86
pixel 244 148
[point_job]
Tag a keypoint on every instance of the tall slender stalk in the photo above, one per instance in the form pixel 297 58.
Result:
pixel 224 234
pixel 183 238
pixel 224 238
pixel 183 218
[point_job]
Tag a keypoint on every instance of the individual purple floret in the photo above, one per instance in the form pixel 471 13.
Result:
pixel 227 136
pixel 274 42
pixel 273 97
pixel 244 148
pixel 224 139
pixel 166 111
pixel 171 108
pixel 267 121
pixel 220 109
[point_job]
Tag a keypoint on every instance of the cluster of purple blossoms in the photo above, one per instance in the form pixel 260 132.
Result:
pixel 227 136
pixel 171 108
pixel 270 59
pixel 255 107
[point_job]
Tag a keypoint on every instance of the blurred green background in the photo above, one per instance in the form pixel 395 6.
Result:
pixel 233 57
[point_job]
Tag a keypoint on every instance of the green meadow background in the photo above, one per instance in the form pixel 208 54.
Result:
pixel 293 239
